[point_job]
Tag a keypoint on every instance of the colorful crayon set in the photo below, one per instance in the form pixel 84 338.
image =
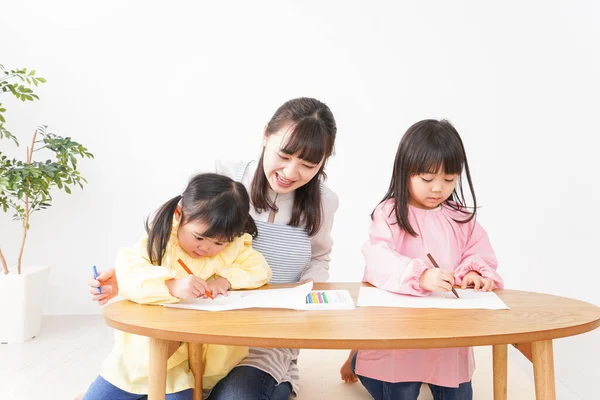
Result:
pixel 329 300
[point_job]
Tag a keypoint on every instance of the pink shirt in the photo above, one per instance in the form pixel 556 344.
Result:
pixel 395 261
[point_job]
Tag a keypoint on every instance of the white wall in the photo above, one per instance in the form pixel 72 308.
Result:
pixel 157 92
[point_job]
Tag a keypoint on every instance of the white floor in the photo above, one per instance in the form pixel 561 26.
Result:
pixel 66 357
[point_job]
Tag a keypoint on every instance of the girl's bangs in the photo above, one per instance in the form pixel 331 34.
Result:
pixel 309 139
pixel 224 224
pixel 433 158
pixel 218 234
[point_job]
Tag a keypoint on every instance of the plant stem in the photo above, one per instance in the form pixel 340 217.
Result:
pixel 7 77
pixel 23 240
pixel 26 220
pixel 4 264
pixel 30 151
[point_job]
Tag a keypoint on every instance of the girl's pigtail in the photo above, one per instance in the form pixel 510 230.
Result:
pixel 159 230
pixel 251 227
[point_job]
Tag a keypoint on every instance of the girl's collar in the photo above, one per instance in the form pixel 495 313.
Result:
pixel 423 210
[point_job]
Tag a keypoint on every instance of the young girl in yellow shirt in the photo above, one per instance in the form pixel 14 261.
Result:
pixel 209 228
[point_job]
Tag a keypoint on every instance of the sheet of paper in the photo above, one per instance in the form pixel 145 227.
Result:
pixel 469 299
pixel 292 298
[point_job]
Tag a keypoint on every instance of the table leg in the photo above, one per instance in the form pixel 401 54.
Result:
pixel 157 374
pixel 543 369
pixel 197 367
pixel 500 356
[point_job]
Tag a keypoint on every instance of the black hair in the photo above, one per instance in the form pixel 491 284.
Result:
pixel 426 147
pixel 312 131
pixel 215 200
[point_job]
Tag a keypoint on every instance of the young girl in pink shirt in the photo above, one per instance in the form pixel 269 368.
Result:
pixel 424 211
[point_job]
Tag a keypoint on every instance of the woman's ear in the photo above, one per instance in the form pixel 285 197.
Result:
pixel 178 214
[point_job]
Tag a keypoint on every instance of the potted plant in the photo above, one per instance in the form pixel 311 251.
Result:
pixel 25 187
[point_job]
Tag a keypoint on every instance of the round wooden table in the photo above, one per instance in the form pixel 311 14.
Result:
pixel 533 318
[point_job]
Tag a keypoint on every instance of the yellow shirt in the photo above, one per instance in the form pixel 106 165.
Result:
pixel 127 364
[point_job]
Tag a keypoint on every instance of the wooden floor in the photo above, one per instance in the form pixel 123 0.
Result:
pixel 67 355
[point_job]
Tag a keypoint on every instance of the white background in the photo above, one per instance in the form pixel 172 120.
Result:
pixel 158 90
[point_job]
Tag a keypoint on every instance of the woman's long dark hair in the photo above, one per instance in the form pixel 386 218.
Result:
pixel 215 200
pixel 312 131
pixel 426 147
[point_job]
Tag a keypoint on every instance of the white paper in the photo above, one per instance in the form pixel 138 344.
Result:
pixel 469 299
pixel 292 298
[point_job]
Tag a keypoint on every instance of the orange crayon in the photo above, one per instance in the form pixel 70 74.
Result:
pixel 209 294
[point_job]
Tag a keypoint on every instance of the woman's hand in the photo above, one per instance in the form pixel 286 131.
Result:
pixel 107 282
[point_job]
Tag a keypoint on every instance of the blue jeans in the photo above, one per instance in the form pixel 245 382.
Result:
pixel 101 389
pixel 249 383
pixel 410 390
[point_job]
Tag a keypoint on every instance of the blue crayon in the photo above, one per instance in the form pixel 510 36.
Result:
pixel 96 277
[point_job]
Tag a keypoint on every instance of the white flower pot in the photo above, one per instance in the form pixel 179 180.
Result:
pixel 21 303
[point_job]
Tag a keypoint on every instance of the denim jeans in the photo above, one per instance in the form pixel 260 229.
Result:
pixel 101 389
pixel 410 390
pixel 249 383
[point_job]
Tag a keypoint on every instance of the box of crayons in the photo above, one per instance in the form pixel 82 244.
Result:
pixel 329 300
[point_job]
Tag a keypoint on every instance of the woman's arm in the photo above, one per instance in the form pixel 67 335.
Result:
pixel 322 242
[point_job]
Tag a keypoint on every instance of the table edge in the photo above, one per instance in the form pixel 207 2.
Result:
pixel 358 344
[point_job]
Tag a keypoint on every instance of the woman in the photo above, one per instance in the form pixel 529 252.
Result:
pixel 293 212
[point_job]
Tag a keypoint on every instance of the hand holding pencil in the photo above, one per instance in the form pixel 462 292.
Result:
pixel 438 279
pixel 207 292
pixel 189 287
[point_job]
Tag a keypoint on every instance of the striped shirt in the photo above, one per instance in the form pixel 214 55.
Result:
pixel 292 255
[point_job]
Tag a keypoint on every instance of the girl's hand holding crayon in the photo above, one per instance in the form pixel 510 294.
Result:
pixel 437 280
pixel 478 282
pixel 219 285
pixel 188 287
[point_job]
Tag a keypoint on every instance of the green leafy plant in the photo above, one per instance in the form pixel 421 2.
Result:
pixel 25 185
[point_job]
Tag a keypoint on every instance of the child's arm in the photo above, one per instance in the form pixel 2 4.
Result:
pixel 478 256
pixel 249 269
pixel 385 267
pixel 139 280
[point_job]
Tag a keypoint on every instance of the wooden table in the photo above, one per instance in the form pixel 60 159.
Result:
pixel 533 318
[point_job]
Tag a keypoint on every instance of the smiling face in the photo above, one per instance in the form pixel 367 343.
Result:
pixel 285 171
pixel 429 190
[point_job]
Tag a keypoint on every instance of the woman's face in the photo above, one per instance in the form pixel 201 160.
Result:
pixel 285 172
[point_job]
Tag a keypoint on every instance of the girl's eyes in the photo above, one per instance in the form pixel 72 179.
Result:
pixel 283 157
pixel 431 180
pixel 200 238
